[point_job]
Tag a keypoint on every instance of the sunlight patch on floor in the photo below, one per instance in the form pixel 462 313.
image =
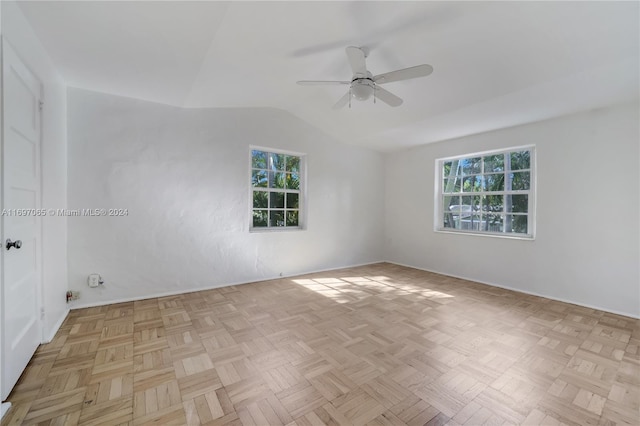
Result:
pixel 352 289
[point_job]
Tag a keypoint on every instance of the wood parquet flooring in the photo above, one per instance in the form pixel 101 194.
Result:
pixel 374 345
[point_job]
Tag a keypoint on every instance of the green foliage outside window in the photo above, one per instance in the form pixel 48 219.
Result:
pixel 487 193
pixel 276 189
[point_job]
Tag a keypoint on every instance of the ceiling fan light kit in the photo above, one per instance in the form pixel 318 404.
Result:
pixel 363 84
pixel 362 88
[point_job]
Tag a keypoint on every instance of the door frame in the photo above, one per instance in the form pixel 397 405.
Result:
pixel 4 45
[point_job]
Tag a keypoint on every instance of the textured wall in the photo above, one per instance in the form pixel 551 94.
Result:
pixel 587 243
pixel 183 175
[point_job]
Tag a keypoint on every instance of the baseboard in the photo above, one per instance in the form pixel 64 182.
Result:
pixel 56 327
pixel 4 408
pixel 213 287
pixel 518 290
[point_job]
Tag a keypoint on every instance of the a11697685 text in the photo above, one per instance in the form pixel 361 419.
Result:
pixel 65 212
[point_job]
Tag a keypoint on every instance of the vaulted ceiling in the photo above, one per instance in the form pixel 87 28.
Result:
pixel 497 64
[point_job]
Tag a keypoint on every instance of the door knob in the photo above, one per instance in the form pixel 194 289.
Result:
pixel 17 244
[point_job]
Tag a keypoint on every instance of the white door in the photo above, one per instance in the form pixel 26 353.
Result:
pixel 21 325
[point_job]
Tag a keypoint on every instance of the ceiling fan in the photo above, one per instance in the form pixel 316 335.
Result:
pixel 363 84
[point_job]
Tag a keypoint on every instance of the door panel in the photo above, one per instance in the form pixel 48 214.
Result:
pixel 22 147
pixel 21 280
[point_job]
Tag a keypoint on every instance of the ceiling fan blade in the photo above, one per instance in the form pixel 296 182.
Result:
pixel 321 82
pixel 388 97
pixel 404 74
pixel 342 101
pixel 356 60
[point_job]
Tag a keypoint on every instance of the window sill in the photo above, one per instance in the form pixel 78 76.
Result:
pixel 524 237
pixel 276 229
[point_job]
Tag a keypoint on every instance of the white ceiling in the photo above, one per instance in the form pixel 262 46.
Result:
pixel 497 64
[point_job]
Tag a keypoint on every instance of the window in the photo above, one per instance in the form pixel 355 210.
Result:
pixel 487 193
pixel 276 189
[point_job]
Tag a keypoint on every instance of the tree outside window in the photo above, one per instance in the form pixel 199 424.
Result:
pixel 489 193
pixel 276 189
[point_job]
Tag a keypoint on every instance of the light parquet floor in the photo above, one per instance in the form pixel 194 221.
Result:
pixel 379 345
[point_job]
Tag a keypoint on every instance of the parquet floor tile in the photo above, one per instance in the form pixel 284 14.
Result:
pixel 301 398
pixel 374 345
pixel 358 407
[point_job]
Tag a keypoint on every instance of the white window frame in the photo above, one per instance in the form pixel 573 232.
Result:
pixel 302 192
pixel 531 213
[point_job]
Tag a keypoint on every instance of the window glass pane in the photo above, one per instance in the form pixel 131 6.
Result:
pixel 450 168
pixel 516 224
pixel 493 203
pixel 293 181
pixel 469 184
pixel 450 220
pixel 277 161
pixel 494 182
pixel 451 203
pixel 469 221
pixel 471 165
pixel 258 159
pixel 494 163
pixel 476 203
pixel 452 184
pixel 451 208
pixel 466 202
pixel 259 178
pixel 277 180
pixel 446 168
pixel 276 218
pixel 293 163
pixel 277 200
pixel 292 201
pixel 520 181
pixel 519 203
pixel 260 218
pixel 260 200
pixel 492 223
pixel 292 218
pixel 520 160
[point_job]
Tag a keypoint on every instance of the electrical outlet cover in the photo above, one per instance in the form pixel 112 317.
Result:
pixel 93 280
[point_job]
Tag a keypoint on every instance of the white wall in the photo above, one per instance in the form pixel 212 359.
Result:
pixel 587 245
pixel 183 174
pixel 20 35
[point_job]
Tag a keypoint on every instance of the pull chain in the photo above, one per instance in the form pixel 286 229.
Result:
pixel 349 97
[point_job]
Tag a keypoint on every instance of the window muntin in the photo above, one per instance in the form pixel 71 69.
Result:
pixel 276 189
pixel 487 193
